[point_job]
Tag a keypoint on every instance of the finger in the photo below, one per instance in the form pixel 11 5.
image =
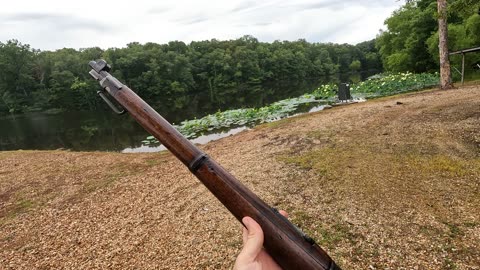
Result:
pixel 244 235
pixel 283 213
pixel 254 242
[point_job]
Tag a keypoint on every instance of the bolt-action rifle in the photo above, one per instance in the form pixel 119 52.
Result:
pixel 288 245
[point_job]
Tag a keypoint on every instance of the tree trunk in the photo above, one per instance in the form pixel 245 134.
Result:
pixel 445 74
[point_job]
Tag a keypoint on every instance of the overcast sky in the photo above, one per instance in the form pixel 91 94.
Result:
pixel 54 24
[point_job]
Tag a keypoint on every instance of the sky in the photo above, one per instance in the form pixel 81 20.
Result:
pixel 55 24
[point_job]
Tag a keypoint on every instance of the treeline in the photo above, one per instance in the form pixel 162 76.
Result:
pixel 411 41
pixel 174 75
pixel 214 74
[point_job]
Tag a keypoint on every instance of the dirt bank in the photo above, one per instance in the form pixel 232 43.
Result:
pixel 388 183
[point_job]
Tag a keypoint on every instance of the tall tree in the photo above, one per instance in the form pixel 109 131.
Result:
pixel 411 42
pixel 445 73
pixel 16 76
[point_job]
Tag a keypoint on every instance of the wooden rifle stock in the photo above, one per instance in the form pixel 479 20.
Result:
pixel 288 246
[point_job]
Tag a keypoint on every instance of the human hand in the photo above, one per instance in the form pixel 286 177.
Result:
pixel 253 256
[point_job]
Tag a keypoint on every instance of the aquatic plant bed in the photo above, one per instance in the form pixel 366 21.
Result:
pixel 223 121
pixel 377 86
pixel 392 84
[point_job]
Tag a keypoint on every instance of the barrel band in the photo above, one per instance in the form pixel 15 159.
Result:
pixel 197 162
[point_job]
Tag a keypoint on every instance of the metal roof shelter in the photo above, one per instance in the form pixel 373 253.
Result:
pixel 463 52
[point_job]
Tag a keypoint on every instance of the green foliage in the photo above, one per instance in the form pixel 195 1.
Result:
pixel 402 46
pixel 389 84
pixel 325 91
pixel 241 117
pixel 411 41
pixel 355 65
pixel 16 76
pixel 173 77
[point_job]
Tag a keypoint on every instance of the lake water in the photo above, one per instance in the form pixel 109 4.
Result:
pixel 105 131
pixel 87 131
pixel 73 130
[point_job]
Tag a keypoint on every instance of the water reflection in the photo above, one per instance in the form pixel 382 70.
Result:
pixel 76 130
pixel 199 140
pixel 104 131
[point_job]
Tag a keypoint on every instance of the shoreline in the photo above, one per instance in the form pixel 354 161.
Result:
pixel 391 182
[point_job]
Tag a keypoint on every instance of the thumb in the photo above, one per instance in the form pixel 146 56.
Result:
pixel 254 240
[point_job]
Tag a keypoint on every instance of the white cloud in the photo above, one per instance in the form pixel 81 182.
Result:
pixel 53 24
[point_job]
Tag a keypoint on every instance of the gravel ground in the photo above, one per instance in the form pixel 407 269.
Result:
pixel 392 183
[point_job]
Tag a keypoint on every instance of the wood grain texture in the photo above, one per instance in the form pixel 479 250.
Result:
pixel 282 241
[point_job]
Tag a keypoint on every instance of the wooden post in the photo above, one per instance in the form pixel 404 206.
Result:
pixel 463 66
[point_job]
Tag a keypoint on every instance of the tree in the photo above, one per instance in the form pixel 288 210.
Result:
pixel 16 76
pixel 412 43
pixel 402 46
pixel 445 73
pixel 355 65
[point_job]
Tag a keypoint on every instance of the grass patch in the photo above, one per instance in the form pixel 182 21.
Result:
pixel 325 236
pixel 333 160
pixel 324 162
pixel 24 205
pixel 20 206
pixel 92 186
pixel 301 218
pixel 439 164
pixel 118 171
pixel 152 162
pixel 454 230
pixel 470 224
pixel 338 232
pixel 449 264
pixel 320 134
pixel 304 161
